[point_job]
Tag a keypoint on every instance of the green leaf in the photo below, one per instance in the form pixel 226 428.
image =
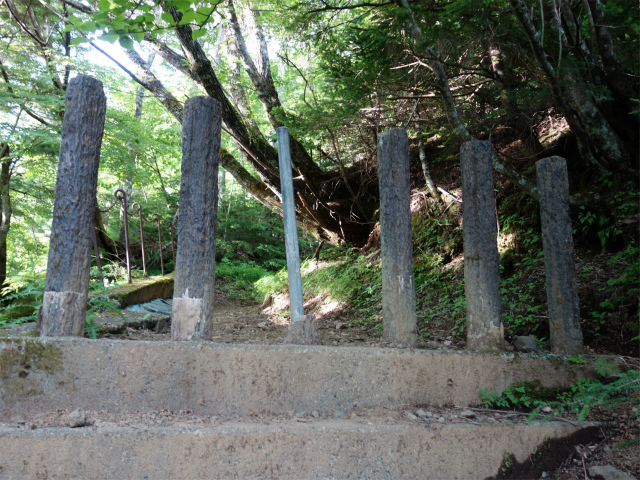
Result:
pixel 148 17
pixel 188 17
pixel 87 27
pixel 126 42
pixel 109 37
pixel 104 5
pixel 198 33
pixel 119 20
pixel 137 36
pixel 79 40
pixel 183 5
pixel 167 17
pixel 206 11
pixel 122 3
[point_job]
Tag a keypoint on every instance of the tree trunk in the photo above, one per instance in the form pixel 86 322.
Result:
pixel 598 143
pixel 522 125
pixel 5 209
pixel 425 167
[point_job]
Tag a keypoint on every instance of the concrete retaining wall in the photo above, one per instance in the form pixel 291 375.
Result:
pixel 326 449
pixel 221 379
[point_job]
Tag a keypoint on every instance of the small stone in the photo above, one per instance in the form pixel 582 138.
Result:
pixel 21 422
pixel 302 414
pixel 77 418
pixel 201 401
pixel 421 413
pixel 163 326
pixel 609 473
pixel 340 325
pixel 429 414
pixel 315 414
pixel 264 325
pixel 411 416
pixel 441 420
pixel 547 409
pixel 467 414
pixel 606 448
pixel 525 343
pixel 338 414
pixel 544 475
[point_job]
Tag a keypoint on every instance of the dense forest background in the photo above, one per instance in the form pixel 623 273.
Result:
pixel 536 79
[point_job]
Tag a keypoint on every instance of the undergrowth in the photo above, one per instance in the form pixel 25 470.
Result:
pixel 613 387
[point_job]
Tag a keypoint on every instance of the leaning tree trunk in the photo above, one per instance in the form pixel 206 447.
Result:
pixel 598 143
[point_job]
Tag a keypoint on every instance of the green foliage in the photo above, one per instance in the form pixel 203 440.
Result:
pixel 99 301
pixel 237 279
pixel 334 279
pixel 520 307
pixel 612 388
pixel 521 395
pixel 23 301
pixel 616 389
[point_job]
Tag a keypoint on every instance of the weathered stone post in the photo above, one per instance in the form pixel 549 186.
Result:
pixel 303 329
pixel 193 291
pixel 398 287
pixel 64 304
pixel 557 241
pixel 481 260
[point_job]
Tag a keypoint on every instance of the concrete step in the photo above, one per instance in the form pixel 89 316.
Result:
pixel 361 447
pixel 221 379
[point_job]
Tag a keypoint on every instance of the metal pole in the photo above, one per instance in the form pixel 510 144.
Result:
pixel 173 248
pixel 137 208
pixel 122 196
pixel 290 228
pixel 95 249
pixel 156 217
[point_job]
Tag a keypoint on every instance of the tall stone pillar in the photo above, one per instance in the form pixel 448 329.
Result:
pixel 193 291
pixel 481 260
pixel 398 287
pixel 562 291
pixel 64 304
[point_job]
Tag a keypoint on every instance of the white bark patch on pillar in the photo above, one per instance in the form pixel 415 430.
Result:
pixel 70 306
pixel 186 317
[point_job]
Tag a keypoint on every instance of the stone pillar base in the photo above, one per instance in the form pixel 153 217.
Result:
pixel 63 314
pixel 481 337
pixel 303 332
pixel 186 318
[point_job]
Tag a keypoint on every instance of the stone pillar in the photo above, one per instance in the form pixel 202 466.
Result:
pixel 64 304
pixel 481 260
pixel 303 329
pixel 562 291
pixel 193 291
pixel 398 287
